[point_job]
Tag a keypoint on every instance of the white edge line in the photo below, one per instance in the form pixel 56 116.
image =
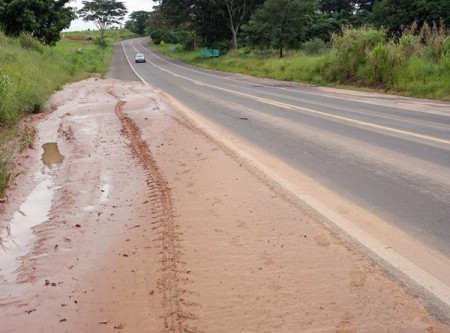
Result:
pixel 435 287
pixel 135 72
pixel 303 109
pixel 281 88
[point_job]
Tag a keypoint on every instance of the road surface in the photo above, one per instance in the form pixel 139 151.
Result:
pixel 388 155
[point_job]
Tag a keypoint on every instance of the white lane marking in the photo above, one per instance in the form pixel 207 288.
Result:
pixel 402 264
pixel 439 289
pixel 308 110
pixel 278 88
pixel 135 72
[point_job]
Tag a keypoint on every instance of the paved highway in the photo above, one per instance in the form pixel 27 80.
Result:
pixel 388 155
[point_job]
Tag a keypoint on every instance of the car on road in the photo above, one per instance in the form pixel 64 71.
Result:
pixel 139 58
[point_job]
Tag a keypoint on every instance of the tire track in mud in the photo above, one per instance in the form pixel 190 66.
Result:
pixel 177 305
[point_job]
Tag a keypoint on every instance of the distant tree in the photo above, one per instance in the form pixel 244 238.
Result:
pixel 398 14
pixel 336 6
pixel 138 22
pixel 178 13
pixel 354 12
pixel 322 27
pixel 281 23
pixel 104 13
pixel 208 22
pixel 157 20
pixel 364 5
pixel 235 13
pixel 42 19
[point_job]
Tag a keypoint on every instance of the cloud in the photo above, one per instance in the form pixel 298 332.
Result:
pixel 132 6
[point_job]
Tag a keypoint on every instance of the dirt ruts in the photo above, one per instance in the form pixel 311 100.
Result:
pixel 174 282
pixel 160 222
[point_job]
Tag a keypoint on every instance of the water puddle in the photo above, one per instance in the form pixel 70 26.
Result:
pixel 16 238
pixel 51 156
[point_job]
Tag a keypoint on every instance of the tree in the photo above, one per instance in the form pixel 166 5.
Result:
pixel 137 22
pixel 336 6
pixel 236 13
pixel 354 12
pixel 42 19
pixel 104 13
pixel 281 23
pixel 398 14
pixel 157 20
pixel 206 21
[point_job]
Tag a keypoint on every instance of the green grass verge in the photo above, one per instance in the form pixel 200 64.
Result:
pixel 412 76
pixel 30 72
pixel 4 177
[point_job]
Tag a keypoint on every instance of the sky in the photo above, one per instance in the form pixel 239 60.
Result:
pixel 132 6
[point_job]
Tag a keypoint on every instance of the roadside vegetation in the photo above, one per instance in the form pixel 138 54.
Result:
pixel 36 59
pixel 415 64
pixel 31 71
pixel 397 46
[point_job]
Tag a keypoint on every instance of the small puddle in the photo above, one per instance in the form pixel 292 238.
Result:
pixel 16 237
pixel 51 156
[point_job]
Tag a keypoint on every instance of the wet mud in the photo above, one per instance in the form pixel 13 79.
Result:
pixel 153 225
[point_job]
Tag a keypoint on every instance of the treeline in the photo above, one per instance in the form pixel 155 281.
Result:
pixel 229 24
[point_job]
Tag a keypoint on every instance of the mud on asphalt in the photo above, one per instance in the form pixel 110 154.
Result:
pixel 155 226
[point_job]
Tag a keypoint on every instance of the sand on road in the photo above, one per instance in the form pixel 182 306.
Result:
pixel 151 225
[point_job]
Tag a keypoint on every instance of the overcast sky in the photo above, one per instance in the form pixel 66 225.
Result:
pixel 132 6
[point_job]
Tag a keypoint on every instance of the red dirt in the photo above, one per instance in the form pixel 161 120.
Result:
pixel 156 226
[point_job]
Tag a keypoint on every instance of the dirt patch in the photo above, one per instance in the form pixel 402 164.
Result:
pixel 155 226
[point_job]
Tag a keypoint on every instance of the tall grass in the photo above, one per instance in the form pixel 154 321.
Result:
pixel 30 72
pixel 415 64
pixel 4 177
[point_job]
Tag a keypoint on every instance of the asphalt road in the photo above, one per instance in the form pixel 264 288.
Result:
pixel 388 155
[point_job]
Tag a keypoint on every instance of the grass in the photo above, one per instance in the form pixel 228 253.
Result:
pixel 295 66
pixel 4 177
pixel 30 72
pixel 361 58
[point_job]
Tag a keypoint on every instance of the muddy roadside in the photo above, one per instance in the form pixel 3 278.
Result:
pixel 150 225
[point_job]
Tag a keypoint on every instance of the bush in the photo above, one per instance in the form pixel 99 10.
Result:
pixel 4 177
pixel 352 47
pixel 30 71
pixel 101 42
pixel 222 46
pixel 383 64
pixel 315 46
pixel 409 45
pixel 162 35
pixel 434 38
pixel 185 38
pixel 28 42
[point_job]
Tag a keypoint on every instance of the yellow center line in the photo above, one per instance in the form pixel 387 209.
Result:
pixel 308 110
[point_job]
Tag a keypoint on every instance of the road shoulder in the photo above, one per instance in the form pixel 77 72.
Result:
pixel 189 236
